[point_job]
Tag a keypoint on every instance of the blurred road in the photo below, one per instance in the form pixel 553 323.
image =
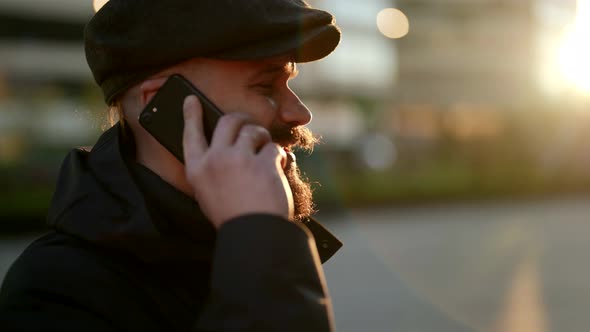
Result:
pixel 497 267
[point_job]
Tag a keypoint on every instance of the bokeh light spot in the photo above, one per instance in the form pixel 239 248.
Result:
pixel 393 23
pixel 378 151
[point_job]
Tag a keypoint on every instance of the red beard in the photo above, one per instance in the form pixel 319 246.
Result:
pixel 300 138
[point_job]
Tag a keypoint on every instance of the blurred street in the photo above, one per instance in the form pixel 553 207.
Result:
pixel 505 267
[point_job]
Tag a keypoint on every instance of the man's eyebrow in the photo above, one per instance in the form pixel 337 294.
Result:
pixel 288 69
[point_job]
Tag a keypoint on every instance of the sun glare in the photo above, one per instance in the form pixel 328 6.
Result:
pixel 575 50
pixel 97 4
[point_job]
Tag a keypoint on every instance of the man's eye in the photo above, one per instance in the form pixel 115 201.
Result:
pixel 265 88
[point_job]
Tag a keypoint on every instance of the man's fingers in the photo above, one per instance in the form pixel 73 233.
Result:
pixel 275 152
pixel 227 129
pixel 194 141
pixel 252 138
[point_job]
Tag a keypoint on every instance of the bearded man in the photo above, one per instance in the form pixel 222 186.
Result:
pixel 223 242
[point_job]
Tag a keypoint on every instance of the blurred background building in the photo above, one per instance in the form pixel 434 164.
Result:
pixel 476 52
pixel 41 41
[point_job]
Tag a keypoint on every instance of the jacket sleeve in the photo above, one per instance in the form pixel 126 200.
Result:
pixel 266 277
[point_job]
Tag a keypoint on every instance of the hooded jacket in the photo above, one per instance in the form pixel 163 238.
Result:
pixel 129 252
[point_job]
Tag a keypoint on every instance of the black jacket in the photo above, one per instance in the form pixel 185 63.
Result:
pixel 131 253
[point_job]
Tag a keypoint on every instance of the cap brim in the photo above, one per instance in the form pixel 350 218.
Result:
pixel 312 45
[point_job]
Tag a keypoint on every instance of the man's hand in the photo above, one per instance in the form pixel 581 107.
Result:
pixel 240 173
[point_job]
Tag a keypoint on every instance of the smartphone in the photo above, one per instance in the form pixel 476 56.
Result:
pixel 163 116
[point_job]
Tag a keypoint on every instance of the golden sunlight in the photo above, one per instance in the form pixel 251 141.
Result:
pixel 524 310
pixel 574 53
pixel 97 4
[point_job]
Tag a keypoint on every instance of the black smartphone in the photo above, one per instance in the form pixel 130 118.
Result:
pixel 163 116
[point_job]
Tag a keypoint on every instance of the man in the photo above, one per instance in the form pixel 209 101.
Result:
pixel 221 243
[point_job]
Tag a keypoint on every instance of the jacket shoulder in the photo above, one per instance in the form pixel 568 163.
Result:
pixel 57 280
pixel 56 260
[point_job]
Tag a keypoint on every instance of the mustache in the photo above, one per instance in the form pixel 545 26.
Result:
pixel 294 137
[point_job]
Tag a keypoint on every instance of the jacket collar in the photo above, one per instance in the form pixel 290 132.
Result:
pixel 98 199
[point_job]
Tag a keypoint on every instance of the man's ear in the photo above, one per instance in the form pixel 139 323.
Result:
pixel 149 88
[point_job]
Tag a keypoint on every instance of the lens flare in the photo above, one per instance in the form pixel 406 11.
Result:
pixel 97 4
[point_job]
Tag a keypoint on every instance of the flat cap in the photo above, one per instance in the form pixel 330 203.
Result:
pixel 129 40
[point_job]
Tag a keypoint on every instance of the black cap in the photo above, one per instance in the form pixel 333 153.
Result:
pixel 129 40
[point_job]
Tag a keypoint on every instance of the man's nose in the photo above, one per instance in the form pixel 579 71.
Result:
pixel 292 111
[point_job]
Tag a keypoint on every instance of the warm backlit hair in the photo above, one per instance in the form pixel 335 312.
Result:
pixel 115 113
